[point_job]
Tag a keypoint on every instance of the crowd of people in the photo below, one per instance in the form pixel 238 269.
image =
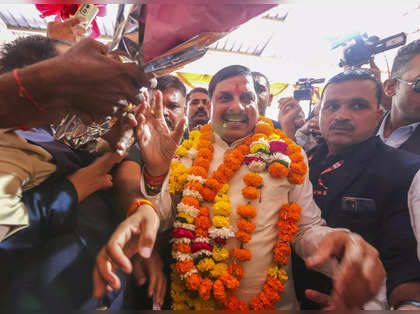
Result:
pixel 197 200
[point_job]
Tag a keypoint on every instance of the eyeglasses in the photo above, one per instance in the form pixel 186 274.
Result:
pixel 415 84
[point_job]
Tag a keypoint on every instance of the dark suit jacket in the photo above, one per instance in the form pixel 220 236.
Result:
pixel 368 195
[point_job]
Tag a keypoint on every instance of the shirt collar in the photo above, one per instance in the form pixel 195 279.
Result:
pixel 412 127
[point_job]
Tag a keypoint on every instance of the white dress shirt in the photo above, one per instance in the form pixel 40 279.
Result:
pixel 275 193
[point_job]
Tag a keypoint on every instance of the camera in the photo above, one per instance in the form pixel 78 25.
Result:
pixel 304 89
pixel 361 48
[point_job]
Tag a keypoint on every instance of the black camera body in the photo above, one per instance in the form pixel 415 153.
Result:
pixel 360 50
pixel 304 89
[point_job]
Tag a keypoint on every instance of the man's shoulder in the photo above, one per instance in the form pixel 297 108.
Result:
pixel 397 154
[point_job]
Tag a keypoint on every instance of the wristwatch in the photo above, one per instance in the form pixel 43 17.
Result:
pixel 406 302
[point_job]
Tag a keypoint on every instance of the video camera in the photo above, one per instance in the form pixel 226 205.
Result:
pixel 305 89
pixel 362 47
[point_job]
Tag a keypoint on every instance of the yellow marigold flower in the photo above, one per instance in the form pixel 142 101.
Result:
pixel 187 217
pixel 222 198
pixel 195 136
pixel 181 151
pixel 224 189
pixel 220 221
pixel 222 208
pixel 220 253
pixel 205 264
pixel 277 272
pixel 282 275
pixel 273 137
pixel 218 269
pixel 203 305
pixel 255 147
pixel 179 306
pixel 187 144
pixel 178 177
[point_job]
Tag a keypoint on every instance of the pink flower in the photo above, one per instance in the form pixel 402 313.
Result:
pixel 182 233
pixel 278 146
pixel 250 159
pixel 195 247
pixel 220 241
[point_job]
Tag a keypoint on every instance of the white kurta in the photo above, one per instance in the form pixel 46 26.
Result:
pixel 275 193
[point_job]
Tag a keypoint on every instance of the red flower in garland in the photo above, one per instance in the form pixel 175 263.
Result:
pixel 64 11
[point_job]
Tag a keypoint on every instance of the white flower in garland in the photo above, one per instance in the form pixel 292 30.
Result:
pixel 180 240
pixel 224 233
pixel 201 252
pixel 178 224
pixel 192 178
pixel 192 193
pixel 281 158
pixel 181 256
pixel 189 210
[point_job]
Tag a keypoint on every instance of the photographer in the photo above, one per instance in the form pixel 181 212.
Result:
pixel 309 135
pixel 291 116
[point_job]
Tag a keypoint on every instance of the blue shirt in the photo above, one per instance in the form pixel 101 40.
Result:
pixel 399 136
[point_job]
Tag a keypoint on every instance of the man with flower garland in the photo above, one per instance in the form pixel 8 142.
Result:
pixel 245 197
pixel 345 172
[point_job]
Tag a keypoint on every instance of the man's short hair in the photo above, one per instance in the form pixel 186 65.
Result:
pixel 355 75
pixel 228 72
pixel 166 82
pixel 25 51
pixel 256 74
pixel 403 57
pixel 197 90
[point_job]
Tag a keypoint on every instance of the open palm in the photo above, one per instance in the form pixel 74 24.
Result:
pixel 157 142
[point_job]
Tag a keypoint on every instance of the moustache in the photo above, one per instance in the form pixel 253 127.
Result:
pixel 341 125
pixel 201 110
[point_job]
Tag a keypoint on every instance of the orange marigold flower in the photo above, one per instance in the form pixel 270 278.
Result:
pixel 204 211
pixel 264 129
pixel 232 302
pixel 296 157
pixel 206 129
pixel 190 201
pixel 291 216
pixel 205 289
pixel 236 270
pixel 232 163
pixel 280 133
pixel 285 237
pixel 243 236
pixel 201 233
pixel 253 179
pixel 295 207
pixel 227 171
pixel 229 281
pixel 245 225
pixel 277 170
pixel 287 227
pixel 257 304
pixel 250 192
pixel 247 211
pixel 183 267
pixel 299 167
pixel 220 176
pixel 266 120
pixel 208 136
pixel 193 282
pixel 241 255
pixel 182 247
pixel 243 306
pixel 248 141
pixel 275 283
pixel 205 144
pixel 257 136
pixel 243 149
pixel 196 186
pixel 201 162
pixel 281 253
pixel 202 222
pixel 199 171
pixel 295 178
pixel 272 294
pixel 205 153
pixel 213 184
pixel 208 195
pixel 293 148
pixel 219 290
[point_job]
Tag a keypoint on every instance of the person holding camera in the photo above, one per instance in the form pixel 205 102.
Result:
pixel 345 171
pixel 291 116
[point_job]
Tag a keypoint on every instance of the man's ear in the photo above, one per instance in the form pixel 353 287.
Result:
pixel 390 87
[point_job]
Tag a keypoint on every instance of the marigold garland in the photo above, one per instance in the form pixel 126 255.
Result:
pixel 198 241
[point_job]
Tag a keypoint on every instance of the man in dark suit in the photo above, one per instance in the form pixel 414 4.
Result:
pixel 399 128
pixel 362 184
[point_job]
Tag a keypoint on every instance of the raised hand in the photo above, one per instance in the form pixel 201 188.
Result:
pixel 157 141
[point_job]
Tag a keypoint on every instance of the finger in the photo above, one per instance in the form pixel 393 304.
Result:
pixel 149 229
pixel 320 256
pixel 138 270
pixel 179 131
pixel 152 285
pixel 318 297
pixel 106 271
pixel 73 21
pixel 118 240
pixel 158 104
pixel 161 290
pixel 98 284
